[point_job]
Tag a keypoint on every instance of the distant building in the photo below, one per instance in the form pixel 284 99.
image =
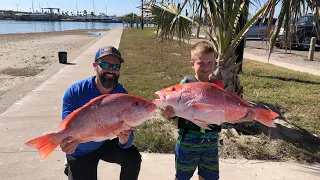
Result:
pixel 33 17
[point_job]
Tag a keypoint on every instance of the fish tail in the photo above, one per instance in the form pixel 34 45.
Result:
pixel 45 144
pixel 264 116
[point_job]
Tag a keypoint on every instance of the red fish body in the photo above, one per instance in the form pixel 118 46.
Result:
pixel 102 118
pixel 205 103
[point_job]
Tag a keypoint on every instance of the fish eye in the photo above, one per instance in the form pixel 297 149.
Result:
pixel 136 103
pixel 173 89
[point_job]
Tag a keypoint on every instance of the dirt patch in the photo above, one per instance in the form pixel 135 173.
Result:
pixel 27 71
pixel 281 143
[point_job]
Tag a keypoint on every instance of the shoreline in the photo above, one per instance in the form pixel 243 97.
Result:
pixel 64 32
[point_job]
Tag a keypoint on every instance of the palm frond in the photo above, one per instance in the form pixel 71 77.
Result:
pixel 223 16
pixel 169 24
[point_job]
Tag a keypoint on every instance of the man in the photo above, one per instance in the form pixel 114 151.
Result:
pixel 83 158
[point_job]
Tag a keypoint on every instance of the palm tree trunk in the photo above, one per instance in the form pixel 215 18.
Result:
pixel 240 48
pixel 226 70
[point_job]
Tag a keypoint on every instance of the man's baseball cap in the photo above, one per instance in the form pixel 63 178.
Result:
pixel 108 51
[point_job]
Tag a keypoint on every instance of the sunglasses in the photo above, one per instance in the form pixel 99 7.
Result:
pixel 106 66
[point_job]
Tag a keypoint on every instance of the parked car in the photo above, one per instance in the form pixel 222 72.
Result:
pixel 259 32
pixel 305 30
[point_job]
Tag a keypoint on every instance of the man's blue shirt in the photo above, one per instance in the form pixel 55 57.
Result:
pixel 78 95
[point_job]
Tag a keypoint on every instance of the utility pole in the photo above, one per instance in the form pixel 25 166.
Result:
pixel 141 14
pixel 17 7
pixel 40 9
pixel 106 10
pixel 32 7
pixel 77 8
pixel 94 8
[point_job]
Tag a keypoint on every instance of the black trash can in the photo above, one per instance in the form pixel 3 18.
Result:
pixel 63 57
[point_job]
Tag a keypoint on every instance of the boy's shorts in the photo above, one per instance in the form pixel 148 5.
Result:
pixel 195 152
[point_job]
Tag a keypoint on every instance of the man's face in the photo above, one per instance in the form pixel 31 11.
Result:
pixel 203 66
pixel 107 71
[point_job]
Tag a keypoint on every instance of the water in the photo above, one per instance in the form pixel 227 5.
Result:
pixel 13 27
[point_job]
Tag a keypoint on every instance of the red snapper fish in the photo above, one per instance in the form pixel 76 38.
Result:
pixel 100 119
pixel 205 103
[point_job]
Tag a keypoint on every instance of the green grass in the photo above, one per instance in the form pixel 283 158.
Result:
pixel 150 66
pixel 154 136
pixel 296 93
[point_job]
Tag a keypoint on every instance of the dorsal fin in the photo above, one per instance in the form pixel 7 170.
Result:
pixel 63 124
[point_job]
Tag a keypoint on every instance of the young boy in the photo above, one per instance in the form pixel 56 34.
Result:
pixel 197 147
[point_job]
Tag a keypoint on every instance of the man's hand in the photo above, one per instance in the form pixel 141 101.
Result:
pixel 124 136
pixel 69 144
pixel 169 112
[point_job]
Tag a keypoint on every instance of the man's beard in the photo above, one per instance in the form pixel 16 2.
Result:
pixel 108 82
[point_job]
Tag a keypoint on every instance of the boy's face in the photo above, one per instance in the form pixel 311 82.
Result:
pixel 203 66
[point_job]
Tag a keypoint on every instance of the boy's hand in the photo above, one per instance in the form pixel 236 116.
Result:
pixel 169 112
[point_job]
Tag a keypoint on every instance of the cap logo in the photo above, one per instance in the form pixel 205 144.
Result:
pixel 105 51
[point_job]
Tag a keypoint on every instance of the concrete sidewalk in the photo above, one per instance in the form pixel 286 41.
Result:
pixel 264 59
pixel 282 64
pixel 39 112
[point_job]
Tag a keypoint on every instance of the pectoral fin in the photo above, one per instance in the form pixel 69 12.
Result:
pixel 249 117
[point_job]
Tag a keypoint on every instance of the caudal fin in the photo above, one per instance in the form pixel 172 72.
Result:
pixel 264 116
pixel 45 144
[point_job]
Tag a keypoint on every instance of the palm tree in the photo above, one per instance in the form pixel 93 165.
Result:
pixel 223 16
pixel 130 18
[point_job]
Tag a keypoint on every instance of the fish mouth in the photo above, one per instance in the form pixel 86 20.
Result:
pixel 161 101
pixel 159 96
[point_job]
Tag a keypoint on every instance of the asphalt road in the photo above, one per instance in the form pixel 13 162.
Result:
pixel 259 44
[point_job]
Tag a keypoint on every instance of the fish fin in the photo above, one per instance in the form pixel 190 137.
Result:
pixel 45 145
pixel 264 116
pixel 249 117
pixel 63 124
pixel 201 124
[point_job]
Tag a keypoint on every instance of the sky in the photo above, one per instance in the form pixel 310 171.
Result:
pixel 111 7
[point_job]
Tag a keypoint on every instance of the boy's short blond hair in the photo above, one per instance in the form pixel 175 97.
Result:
pixel 202 48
